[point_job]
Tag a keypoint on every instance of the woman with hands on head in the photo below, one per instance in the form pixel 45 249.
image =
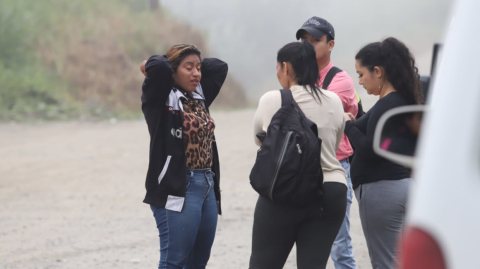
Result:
pixel 183 173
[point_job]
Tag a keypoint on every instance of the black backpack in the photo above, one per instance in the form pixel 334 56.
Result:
pixel 287 169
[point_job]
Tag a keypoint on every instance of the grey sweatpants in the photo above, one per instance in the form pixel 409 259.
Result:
pixel 382 213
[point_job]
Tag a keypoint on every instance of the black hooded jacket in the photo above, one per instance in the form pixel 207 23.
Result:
pixel 163 110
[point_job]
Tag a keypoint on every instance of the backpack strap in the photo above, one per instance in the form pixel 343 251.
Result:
pixel 330 75
pixel 287 97
pixel 287 100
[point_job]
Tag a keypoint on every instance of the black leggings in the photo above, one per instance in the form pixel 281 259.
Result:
pixel 314 228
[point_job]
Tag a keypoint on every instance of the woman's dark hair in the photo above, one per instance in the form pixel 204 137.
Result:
pixel 178 52
pixel 399 66
pixel 302 57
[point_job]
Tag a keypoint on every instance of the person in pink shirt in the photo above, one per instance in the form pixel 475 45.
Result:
pixel 321 34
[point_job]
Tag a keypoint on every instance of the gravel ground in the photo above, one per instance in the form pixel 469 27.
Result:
pixel 71 196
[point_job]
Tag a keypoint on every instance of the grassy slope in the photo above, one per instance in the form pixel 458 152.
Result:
pixel 79 58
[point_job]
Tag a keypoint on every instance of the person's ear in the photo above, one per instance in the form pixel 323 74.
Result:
pixel 331 44
pixel 290 72
pixel 285 68
pixel 378 72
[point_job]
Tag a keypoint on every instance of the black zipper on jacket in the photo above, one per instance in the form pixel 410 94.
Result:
pixel 279 163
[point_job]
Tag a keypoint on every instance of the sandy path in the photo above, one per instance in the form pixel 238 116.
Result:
pixel 70 196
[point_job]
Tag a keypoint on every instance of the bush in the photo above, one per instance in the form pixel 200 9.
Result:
pixel 80 58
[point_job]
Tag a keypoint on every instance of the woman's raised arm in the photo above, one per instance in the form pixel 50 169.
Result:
pixel 214 73
pixel 158 82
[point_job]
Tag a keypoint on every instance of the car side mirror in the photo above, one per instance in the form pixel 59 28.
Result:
pixel 397 132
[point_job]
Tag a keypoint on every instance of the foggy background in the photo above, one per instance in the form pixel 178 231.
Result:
pixel 74 144
pixel 248 33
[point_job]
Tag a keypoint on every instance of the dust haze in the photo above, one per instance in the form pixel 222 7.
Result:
pixel 248 33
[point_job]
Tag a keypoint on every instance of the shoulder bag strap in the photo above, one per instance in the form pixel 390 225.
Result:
pixel 330 75
pixel 287 100
pixel 287 97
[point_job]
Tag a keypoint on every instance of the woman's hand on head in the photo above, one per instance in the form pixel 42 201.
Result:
pixel 349 117
pixel 142 68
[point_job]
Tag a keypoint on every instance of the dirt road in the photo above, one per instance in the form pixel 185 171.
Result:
pixel 71 196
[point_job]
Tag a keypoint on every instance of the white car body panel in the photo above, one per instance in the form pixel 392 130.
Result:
pixel 445 197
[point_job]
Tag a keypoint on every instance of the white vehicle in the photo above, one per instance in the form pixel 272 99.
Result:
pixel 442 227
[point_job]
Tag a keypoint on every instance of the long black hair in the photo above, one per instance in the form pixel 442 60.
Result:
pixel 302 57
pixel 399 66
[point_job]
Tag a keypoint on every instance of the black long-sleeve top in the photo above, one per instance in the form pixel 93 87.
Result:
pixel 366 165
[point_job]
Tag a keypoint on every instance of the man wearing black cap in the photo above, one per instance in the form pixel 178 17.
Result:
pixel 321 34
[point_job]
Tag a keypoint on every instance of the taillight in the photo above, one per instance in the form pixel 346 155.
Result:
pixel 420 250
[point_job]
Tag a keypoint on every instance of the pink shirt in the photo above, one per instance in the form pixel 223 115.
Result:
pixel 342 85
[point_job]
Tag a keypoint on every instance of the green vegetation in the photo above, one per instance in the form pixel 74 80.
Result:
pixel 26 88
pixel 79 58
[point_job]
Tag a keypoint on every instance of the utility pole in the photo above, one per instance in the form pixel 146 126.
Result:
pixel 154 4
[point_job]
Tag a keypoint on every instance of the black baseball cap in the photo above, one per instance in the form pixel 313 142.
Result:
pixel 317 27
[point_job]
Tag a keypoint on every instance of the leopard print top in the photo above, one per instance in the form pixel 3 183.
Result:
pixel 198 129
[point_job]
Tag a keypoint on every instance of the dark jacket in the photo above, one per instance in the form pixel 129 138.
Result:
pixel 163 110
pixel 367 166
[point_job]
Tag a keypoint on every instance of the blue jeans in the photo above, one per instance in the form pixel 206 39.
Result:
pixel 186 237
pixel 342 254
